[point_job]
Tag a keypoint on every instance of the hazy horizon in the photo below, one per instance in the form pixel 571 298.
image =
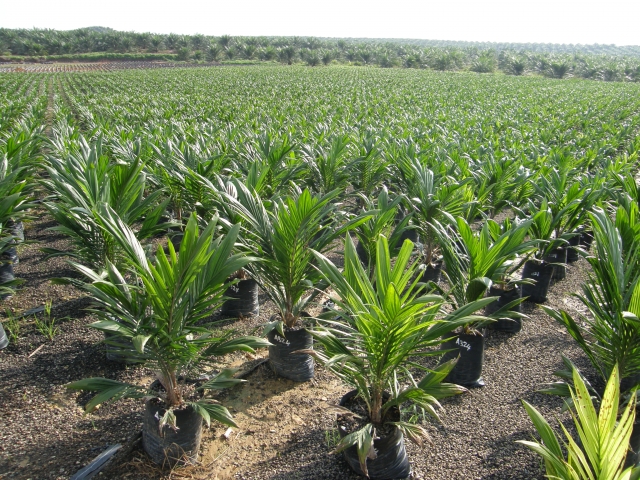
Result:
pixel 500 21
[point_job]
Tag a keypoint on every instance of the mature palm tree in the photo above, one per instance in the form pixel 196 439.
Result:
pixel 213 53
pixel 142 40
pixel 559 68
pixel 225 41
pixel 198 41
pixel 326 57
pixel 171 41
pixel 156 43
pixel 269 53
pixel 313 59
pixel 249 51
pixel 288 54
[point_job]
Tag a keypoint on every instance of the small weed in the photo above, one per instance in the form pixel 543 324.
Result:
pixel 12 326
pixel 47 308
pixel 47 327
pixel 331 438
pixel 415 415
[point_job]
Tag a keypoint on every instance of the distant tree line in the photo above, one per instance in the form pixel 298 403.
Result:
pixel 597 62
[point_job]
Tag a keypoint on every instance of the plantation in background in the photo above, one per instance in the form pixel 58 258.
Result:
pixel 98 44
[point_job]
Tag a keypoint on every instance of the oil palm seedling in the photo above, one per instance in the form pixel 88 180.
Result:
pixel 14 196
pixel 8 281
pixel 603 437
pixel 434 197
pixel 500 182
pixel 504 285
pixel 569 201
pixel 382 222
pixel 484 261
pixel 10 329
pixel 467 267
pixel 171 172
pixel 270 165
pixel 242 297
pixel 552 240
pixel 328 167
pixel 283 237
pixel 475 261
pixel 86 178
pixel 626 192
pixel 180 168
pixel 610 334
pixel 370 169
pixel 379 325
pixel 161 309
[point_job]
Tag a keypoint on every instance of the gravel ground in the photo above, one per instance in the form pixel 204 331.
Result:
pixel 286 430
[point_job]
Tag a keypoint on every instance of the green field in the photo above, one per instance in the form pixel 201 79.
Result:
pixel 122 162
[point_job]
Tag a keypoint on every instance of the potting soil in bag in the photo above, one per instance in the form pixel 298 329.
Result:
pixel 294 366
pixel 243 299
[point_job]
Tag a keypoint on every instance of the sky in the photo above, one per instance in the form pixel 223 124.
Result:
pixel 517 21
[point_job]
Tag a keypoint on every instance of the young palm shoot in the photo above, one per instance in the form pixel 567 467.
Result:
pixel 270 165
pixel 370 169
pixel 477 260
pixel 501 182
pixel 383 222
pixel 474 262
pixel 161 309
pixel 328 167
pixel 610 335
pixel 434 198
pixel 603 436
pixel 283 237
pixel 13 208
pixel 80 183
pixel 384 324
pixel 567 201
